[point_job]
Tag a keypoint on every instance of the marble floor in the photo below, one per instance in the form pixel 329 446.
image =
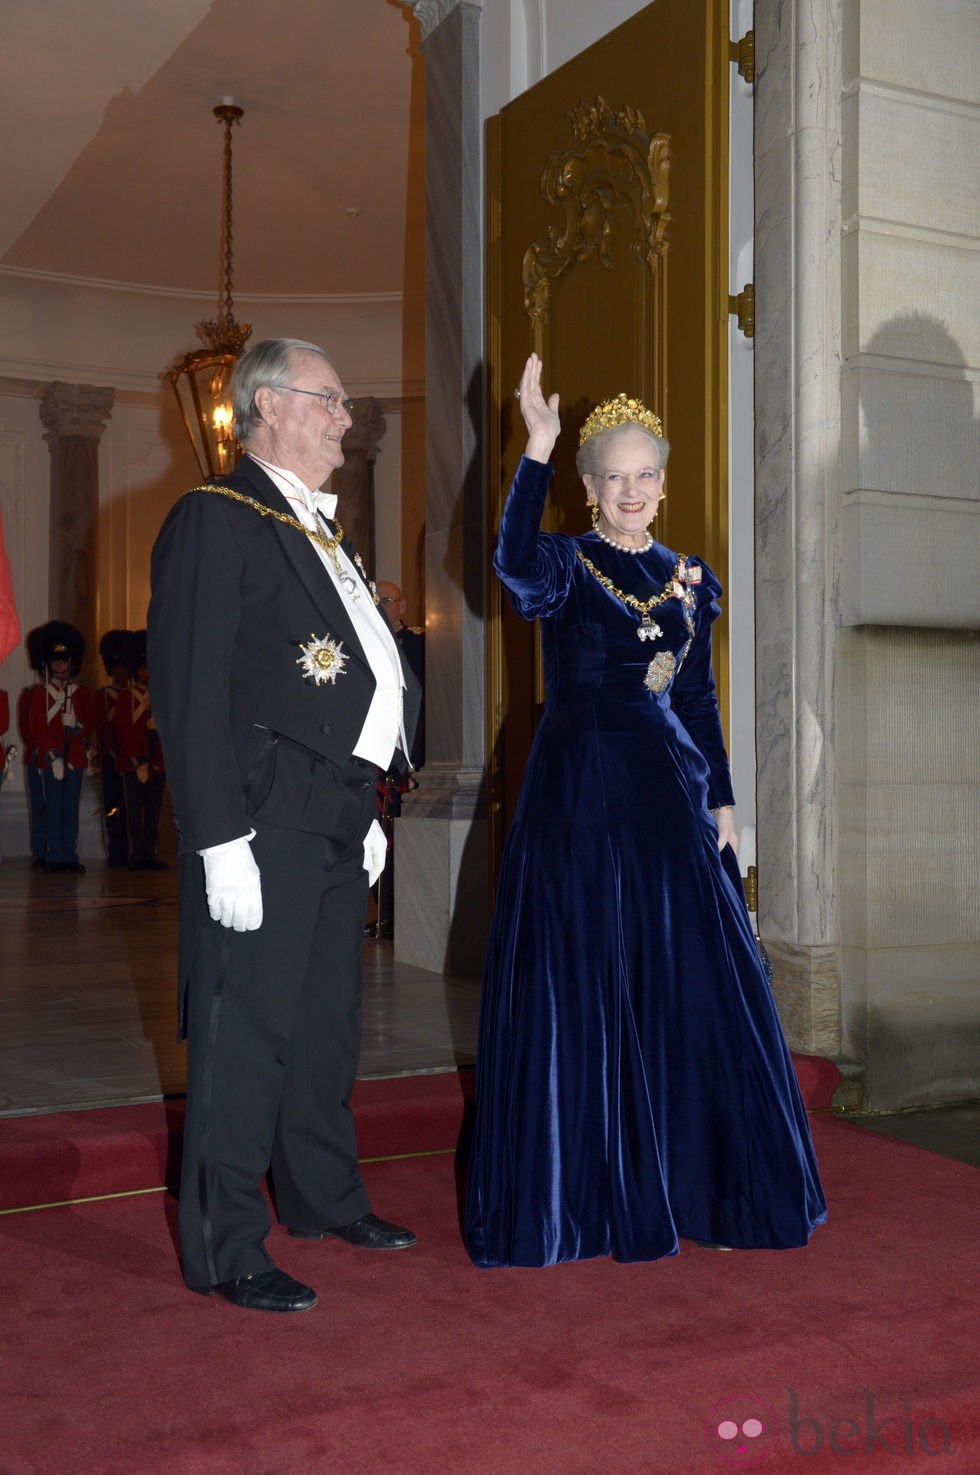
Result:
pixel 87 995
pixel 87 1004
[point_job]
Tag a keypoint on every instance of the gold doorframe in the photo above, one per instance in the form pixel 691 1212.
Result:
pixel 671 184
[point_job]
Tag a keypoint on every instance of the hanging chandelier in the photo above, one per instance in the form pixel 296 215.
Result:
pixel 200 380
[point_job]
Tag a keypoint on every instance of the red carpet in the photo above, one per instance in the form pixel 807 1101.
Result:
pixel 855 1354
pixel 73 1155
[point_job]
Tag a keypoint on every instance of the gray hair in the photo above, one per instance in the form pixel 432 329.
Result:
pixel 265 364
pixel 588 456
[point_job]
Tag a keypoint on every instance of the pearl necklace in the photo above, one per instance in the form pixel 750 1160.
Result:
pixel 623 547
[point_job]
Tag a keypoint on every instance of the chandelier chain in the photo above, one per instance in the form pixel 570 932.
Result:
pixel 228 115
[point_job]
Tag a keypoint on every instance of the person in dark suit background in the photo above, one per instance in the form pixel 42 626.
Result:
pixel 412 642
pixel 278 690
pixel 391 786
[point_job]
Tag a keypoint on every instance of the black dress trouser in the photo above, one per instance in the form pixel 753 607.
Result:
pixel 273 1026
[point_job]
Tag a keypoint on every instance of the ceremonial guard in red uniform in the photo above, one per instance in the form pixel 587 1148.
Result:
pixel 141 764
pixel 35 783
pixel 115 648
pixel 59 717
pixel 7 754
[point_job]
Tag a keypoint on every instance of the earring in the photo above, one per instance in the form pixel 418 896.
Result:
pixel 594 510
pixel 663 498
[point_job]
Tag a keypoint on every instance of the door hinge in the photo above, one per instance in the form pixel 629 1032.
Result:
pixel 742 53
pixel 743 307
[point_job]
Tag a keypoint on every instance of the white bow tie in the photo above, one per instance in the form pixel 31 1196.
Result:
pixel 325 502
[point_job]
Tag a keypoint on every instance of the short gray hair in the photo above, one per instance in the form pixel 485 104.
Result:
pixel 264 364
pixel 588 456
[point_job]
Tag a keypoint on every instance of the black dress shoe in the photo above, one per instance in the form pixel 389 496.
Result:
pixel 369 1233
pixel 270 1290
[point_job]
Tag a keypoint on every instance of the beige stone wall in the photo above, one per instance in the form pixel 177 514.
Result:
pixel 908 654
pixel 909 862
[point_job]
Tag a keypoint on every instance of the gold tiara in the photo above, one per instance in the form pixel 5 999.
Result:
pixel 620 411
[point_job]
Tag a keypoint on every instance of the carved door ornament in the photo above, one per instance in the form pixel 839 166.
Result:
pixel 610 157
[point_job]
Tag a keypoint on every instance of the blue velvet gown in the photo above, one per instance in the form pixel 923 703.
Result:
pixel 633 1082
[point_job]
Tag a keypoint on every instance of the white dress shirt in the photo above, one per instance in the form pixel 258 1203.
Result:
pixel 384 726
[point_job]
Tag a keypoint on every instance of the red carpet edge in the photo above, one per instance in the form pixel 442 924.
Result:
pixel 69 1156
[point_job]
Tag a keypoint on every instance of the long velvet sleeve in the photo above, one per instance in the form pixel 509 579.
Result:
pixel 534 567
pixel 693 695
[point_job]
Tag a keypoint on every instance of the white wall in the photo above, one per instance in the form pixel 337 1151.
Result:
pixel 522 41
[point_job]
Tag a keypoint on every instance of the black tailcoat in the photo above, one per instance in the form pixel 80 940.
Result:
pixel 252 743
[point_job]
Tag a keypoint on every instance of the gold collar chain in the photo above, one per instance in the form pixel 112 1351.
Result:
pixel 644 606
pixel 327 541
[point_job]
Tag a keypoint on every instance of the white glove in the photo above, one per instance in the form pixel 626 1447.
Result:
pixel 375 852
pixel 142 772
pixel 58 768
pixel 233 886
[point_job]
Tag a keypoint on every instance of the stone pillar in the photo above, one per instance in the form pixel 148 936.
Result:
pixel 441 837
pixel 908 651
pixel 354 481
pixel 74 417
pixel 798 373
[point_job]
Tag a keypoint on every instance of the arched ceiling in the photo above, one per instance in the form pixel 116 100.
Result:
pixel 112 164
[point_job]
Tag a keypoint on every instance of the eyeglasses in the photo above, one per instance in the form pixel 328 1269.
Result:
pixel 331 400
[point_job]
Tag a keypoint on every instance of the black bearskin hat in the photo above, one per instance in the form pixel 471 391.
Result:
pixel 60 641
pixel 34 654
pixel 115 647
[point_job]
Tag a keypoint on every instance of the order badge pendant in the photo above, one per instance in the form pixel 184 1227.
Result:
pixel 323 659
pixel 648 629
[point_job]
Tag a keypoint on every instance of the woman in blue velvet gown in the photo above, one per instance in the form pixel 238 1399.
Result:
pixel 633 1084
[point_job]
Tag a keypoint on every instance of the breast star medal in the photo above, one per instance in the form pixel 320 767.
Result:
pixel 322 660
pixel 660 671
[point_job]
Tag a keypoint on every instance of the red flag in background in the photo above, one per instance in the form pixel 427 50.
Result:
pixel 9 623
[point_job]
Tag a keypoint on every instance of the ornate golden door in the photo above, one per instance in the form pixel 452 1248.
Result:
pixel 607 254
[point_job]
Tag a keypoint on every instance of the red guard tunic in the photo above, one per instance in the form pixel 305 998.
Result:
pixel 4 724
pixel 137 742
pixel 106 699
pixel 140 762
pixel 46 736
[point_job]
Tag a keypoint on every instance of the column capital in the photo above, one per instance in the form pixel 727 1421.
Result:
pixel 432 13
pixel 75 409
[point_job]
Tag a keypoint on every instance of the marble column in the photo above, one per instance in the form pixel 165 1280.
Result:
pixel 441 838
pixel 74 417
pixel 354 482
pixel 798 373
